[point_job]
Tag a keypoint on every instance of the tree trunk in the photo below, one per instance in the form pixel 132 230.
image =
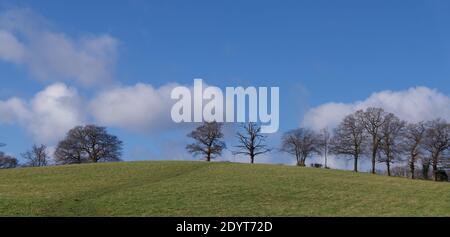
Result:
pixel 412 168
pixel 434 169
pixel 388 166
pixel 355 165
pixel 374 155
pixel 252 159
pixel 425 169
pixel 302 161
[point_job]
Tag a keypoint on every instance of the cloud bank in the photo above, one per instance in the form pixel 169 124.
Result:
pixel 141 107
pixel 413 105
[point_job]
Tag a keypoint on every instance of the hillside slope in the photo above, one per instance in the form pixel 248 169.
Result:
pixel 180 188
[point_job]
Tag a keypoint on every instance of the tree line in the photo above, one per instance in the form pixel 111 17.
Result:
pixel 372 134
pixel 82 144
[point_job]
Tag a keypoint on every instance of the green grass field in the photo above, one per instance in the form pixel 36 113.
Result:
pixel 180 188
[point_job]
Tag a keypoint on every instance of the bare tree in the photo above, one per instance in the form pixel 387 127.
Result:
pixel 69 150
pixel 391 132
pixel 302 143
pixel 7 162
pixel 324 137
pixel 36 157
pixel 251 141
pixel 208 140
pixel 412 144
pixel 88 143
pixel 436 142
pixel 372 119
pixel 349 139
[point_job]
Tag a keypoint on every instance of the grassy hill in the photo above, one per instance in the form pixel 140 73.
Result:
pixel 180 188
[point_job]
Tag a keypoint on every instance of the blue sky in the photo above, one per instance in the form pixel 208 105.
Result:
pixel 317 52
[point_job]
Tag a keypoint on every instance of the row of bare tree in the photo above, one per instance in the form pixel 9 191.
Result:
pixel 209 141
pixel 82 144
pixel 380 136
pixel 35 157
pixel 372 133
pixel 385 138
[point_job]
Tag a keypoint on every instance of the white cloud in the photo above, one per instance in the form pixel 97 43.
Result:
pixel 329 114
pixel 139 108
pixel 12 109
pixel 413 105
pixel 27 39
pixel 55 110
pixel 48 115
